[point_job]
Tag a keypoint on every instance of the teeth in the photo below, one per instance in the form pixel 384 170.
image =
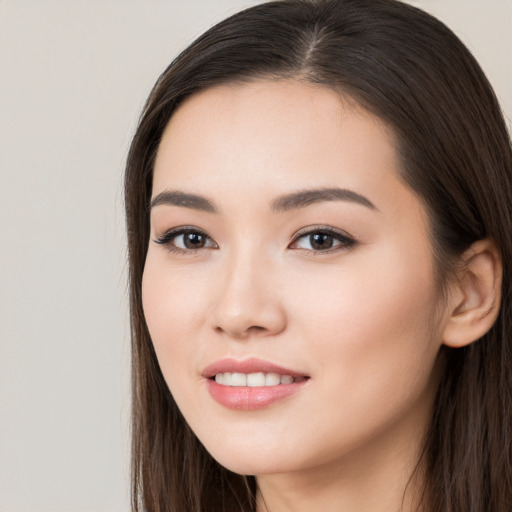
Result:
pixel 238 379
pixel 252 380
pixel 256 379
pixel 272 379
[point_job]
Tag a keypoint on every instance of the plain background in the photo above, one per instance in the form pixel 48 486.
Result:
pixel 74 76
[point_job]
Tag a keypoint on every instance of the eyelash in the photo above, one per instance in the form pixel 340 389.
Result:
pixel 169 236
pixel 344 240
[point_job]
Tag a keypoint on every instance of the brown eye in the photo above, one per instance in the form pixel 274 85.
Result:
pixel 319 241
pixel 322 240
pixel 186 239
pixel 193 240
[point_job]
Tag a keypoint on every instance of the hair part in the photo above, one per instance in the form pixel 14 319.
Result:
pixel 411 71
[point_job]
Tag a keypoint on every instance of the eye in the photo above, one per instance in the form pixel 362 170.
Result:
pixel 186 239
pixel 321 239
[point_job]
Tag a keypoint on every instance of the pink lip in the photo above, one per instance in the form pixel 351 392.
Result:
pixel 250 398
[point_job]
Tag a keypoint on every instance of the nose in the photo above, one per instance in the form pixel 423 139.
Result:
pixel 249 303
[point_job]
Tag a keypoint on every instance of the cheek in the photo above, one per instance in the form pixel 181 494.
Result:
pixel 171 309
pixel 370 325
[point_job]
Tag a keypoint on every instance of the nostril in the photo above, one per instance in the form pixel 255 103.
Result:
pixel 241 333
pixel 246 318
pixel 256 328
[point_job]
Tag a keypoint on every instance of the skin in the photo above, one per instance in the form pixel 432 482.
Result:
pixel 363 321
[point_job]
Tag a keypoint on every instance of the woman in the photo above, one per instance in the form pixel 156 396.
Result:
pixel 318 202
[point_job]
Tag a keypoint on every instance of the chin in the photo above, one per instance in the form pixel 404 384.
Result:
pixel 251 467
pixel 251 460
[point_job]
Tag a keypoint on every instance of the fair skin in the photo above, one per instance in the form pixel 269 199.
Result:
pixel 338 288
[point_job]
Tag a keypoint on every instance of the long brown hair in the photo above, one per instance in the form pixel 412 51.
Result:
pixel 409 69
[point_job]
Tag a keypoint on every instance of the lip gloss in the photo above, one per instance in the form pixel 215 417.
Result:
pixel 250 398
pixel 247 397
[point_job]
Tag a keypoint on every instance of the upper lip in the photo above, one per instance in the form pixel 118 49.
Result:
pixel 252 365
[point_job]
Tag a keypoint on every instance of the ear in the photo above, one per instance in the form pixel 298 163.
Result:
pixel 475 297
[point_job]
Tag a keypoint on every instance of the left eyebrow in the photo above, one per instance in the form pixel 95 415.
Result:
pixel 304 198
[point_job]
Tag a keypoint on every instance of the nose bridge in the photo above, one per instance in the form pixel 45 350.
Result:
pixel 248 301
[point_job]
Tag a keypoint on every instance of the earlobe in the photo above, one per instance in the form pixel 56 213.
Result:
pixel 475 296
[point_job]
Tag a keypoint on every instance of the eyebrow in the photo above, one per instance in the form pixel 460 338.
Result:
pixel 304 198
pixel 295 200
pixel 177 198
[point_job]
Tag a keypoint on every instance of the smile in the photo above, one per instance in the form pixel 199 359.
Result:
pixel 254 380
pixel 251 384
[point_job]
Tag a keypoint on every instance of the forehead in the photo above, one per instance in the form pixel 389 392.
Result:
pixel 284 130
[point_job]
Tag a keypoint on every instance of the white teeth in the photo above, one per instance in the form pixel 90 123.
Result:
pixel 272 379
pixel 253 380
pixel 239 379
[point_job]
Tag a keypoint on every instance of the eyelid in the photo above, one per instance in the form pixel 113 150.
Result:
pixel 167 237
pixel 346 239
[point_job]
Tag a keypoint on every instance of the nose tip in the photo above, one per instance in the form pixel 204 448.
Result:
pixel 248 306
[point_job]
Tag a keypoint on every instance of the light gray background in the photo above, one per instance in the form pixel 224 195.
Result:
pixel 74 75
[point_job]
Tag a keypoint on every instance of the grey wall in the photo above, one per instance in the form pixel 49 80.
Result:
pixel 74 75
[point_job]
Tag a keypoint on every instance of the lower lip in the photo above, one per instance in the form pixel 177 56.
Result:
pixel 245 398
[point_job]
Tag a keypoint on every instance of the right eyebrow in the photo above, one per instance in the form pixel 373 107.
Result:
pixel 177 198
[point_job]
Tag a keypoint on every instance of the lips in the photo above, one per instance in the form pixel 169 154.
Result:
pixel 252 383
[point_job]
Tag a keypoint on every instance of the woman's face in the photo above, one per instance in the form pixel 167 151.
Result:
pixel 284 246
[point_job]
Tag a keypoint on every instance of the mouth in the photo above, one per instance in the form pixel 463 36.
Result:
pixel 251 384
pixel 254 380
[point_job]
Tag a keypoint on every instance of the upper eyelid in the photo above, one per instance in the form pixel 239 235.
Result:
pixel 319 229
pixel 303 231
pixel 182 229
pixel 177 231
pixel 346 240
